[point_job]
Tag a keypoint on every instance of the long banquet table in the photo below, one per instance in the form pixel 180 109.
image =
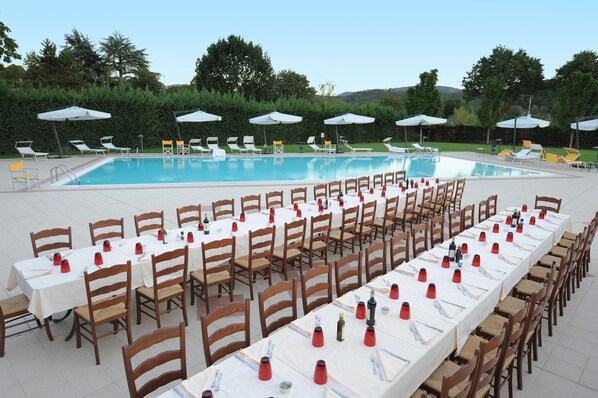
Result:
pixel 408 350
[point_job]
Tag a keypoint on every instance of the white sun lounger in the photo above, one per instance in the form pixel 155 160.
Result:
pixel 392 148
pixel 249 144
pixel 420 148
pixel 346 143
pixel 522 155
pixel 212 143
pixel 25 149
pixel 195 144
pixel 82 146
pixel 232 144
pixel 107 143
pixel 311 141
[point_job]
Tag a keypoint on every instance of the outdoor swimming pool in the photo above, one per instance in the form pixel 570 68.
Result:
pixel 135 170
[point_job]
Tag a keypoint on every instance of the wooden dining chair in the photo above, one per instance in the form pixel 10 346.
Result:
pixel 347 273
pixel 453 380
pixel 363 183
pixel 224 208
pixel 169 277
pixel 274 199
pixel 218 257
pixel 387 222
pixel 291 251
pixel 149 222
pixel 234 318
pixel 458 195
pixel 467 217
pixel 164 360
pixel 106 229
pixel 483 210
pixel 316 244
pixel 251 203
pixel 400 176
pixel 299 195
pixel 334 189
pixel 389 178
pixel 258 261
pixel 419 239
pixel 277 306
pixel 492 205
pixel 407 215
pixel 399 249
pixel 51 239
pixel 14 314
pixel 425 207
pixel 439 197
pixel 376 260
pixel 455 223
pixel 436 231
pixel 190 214
pixel 350 186
pixel 320 192
pixel 365 225
pixel 378 180
pixel 108 291
pixel 347 232
pixel 547 203
pixel 316 287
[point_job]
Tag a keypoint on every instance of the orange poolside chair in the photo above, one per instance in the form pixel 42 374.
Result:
pixel 505 154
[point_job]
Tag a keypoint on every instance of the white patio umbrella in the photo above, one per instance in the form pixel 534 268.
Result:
pixel 586 125
pixel 197 116
pixel 419 120
pixel 72 113
pixel 524 122
pixel 348 118
pixel 274 118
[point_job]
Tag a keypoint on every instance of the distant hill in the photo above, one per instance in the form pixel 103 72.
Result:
pixel 374 95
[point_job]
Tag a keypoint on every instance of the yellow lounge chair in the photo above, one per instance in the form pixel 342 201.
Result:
pixel 527 144
pixel 552 158
pixel 505 154
pixel 571 158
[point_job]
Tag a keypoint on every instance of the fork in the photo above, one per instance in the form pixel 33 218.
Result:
pixel 374 371
pixel 377 363
pixel 270 349
pixel 387 283
pixel 218 377
pixel 215 379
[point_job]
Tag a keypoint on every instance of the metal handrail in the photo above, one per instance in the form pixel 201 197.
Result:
pixel 66 171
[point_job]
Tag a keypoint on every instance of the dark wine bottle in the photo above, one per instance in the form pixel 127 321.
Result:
pixel 371 307
pixel 206 224
pixel 452 250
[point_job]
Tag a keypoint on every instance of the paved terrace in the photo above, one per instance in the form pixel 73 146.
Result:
pixel 36 367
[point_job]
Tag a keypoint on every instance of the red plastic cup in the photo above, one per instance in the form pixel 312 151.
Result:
pixel 57 259
pixel 405 311
pixel 476 260
pixel 97 259
pixel 371 191
pixel 271 219
pixel 271 211
pixel 524 208
pixel 457 276
pixel 207 394
pixel 509 237
pixel 234 227
pixel 495 248
pixel 423 275
pixel 532 220
pixel 341 203
pixel 160 235
pixel 446 262
pixel 319 202
pixel 383 194
pixel 106 246
pixel 200 227
pixel 403 188
pixel 422 180
pixel 427 183
pixel 437 180
pixel 265 370
pixel 65 266
pixel 394 292
pixel 482 237
pixel 370 337
pixel 496 228
pixel 542 215
pixel 317 338
pixel 431 292
pixel 401 184
pixel 416 185
pixel 295 206
pixel 383 188
pixel 190 238
pixel 321 374
pixel 360 312
pixel 320 208
pixel 138 248
pixel 508 220
pixel 361 198
pixel 242 217
pixel 519 228
pixel 464 248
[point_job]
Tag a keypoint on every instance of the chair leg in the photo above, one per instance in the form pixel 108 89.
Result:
pixel 94 340
pixel 2 337
pixel 184 307
pixel 138 306
pixel 192 287
pixel 157 311
pixel 129 333
pixel 48 331
pixel 78 331
pixel 250 280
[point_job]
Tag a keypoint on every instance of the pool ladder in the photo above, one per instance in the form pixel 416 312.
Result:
pixel 66 171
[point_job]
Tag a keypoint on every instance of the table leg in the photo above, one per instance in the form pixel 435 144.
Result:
pixel 64 317
pixel 71 333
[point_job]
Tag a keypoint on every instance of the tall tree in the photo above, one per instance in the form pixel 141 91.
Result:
pixel 519 73
pixel 8 46
pixel 576 97
pixel 583 61
pixel 144 79
pixel 88 62
pixel 289 84
pixel 49 68
pixel 424 97
pixel 490 108
pixel 122 56
pixel 232 65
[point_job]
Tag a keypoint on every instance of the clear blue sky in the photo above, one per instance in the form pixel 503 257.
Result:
pixel 355 45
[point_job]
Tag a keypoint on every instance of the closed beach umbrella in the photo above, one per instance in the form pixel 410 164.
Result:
pixel 72 113
pixel 274 118
pixel 586 125
pixel 348 118
pixel 524 122
pixel 419 120
pixel 197 116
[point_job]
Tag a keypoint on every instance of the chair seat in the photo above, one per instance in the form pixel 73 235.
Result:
pixel 400 216
pixel 338 235
pixel 468 350
pixel 258 263
pixel 163 294
pixel 291 253
pixel 509 306
pixel 317 246
pixel 527 287
pixel 213 279
pixel 14 306
pixel 493 325
pixel 434 382
pixel 365 230
pixel 379 222
pixel 538 273
pixel 105 314
pixel 558 251
pixel 566 243
pixel 547 260
pixel 569 235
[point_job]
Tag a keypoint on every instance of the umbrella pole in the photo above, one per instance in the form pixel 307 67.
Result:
pixel 514 133
pixel 57 139
pixel 421 138
pixel 338 147
pixel 265 141
pixel 405 130
pixel 178 132
pixel 577 134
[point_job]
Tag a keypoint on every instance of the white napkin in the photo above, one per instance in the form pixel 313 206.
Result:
pixel 449 309
pixel 197 384
pixel 255 352
pixel 347 302
pixel 509 259
pixel 467 235
pixel 392 366
pixel 495 274
pixel 532 236
pixel 425 332
pixel 402 270
pixel 35 273
pixel 476 292
pixel 426 259
pixel 482 227
pixel 378 285
pixel 544 228
pixel 304 325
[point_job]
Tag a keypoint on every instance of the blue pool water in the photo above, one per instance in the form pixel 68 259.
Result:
pixel 290 168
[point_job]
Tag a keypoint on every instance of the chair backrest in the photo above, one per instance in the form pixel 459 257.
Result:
pixel 426 201
pixel 419 239
pixel 274 199
pixel 299 195
pixel 279 302
pixel 294 234
pixel 147 342
pixel 389 178
pixel 489 359
pixel 320 191
pixel 16 166
pixel 410 202
pixel 492 205
pixel 223 208
pixel 251 203
pixel 51 239
pixel 347 273
pixel 483 210
pixel 238 332
pixel 436 231
pixel 334 188
pixel 390 210
pixel 106 229
pixel 363 183
pixel 188 214
pixel 314 282
pixel 195 142
pixel 440 196
pixel 351 185
pixel 261 244
pixel 378 180
pixel 232 141
pixel 400 176
pixel 450 191
pixel 150 221
pixel 467 217
pixel 459 189
pixel 399 249
pixel 212 141
pixel 320 229
pixel 465 377
pixel 218 256
pixel 170 269
pixel 376 260
pixel 548 203
pixel 349 223
pixel 108 287
pixel 368 213
pixel 248 139
pixel 455 224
